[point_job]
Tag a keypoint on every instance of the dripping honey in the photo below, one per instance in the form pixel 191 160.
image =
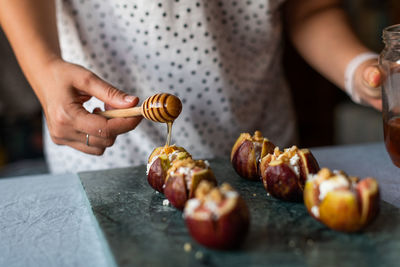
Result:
pixel 169 131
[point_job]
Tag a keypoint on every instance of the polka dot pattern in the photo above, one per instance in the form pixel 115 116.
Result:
pixel 222 58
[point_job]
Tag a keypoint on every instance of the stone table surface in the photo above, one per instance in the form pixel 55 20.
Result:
pixel 142 232
pixel 46 220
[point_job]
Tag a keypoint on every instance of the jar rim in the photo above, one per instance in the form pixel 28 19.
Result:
pixel 392 29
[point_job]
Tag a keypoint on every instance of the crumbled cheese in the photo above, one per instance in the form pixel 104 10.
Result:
pixel 184 170
pixel 188 172
pixel 294 161
pixel 332 184
pixel 165 202
pixel 315 211
pixel 191 205
pixel 207 163
pixel 172 155
pixel 213 207
pixel 150 163
pixel 296 170
pixel 311 177
pixel 231 194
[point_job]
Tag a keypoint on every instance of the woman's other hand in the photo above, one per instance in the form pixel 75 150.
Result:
pixel 367 83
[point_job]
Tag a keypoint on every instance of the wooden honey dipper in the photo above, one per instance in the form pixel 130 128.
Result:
pixel 159 108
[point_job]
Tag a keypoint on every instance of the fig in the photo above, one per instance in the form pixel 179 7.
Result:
pixel 183 177
pixel 341 202
pixel 284 173
pixel 247 152
pixel 217 218
pixel 160 161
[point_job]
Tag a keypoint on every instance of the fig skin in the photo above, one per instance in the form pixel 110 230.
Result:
pixel 176 191
pixel 245 154
pixel 160 163
pixel 308 165
pixel 283 180
pixel 347 208
pixel 227 231
pixel 179 188
pixel 156 175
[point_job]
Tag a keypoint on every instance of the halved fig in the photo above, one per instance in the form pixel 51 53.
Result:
pixel 183 178
pixel 284 172
pixel 247 152
pixel 217 217
pixel 341 202
pixel 160 161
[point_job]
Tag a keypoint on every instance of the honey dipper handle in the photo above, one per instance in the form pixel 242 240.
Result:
pixel 122 113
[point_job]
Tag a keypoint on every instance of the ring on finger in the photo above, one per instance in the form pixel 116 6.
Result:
pixel 87 139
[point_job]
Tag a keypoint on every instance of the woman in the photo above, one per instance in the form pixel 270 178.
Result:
pixel 222 58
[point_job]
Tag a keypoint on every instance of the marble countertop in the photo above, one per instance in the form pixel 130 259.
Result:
pixel 46 220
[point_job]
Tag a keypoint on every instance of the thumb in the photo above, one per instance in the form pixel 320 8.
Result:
pixel 372 76
pixel 93 85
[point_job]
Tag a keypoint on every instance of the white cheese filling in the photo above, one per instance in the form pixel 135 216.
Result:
pixel 150 163
pixel 172 155
pixel 294 162
pixel 210 205
pixel 190 207
pixel 207 163
pixel 332 184
pixel 315 211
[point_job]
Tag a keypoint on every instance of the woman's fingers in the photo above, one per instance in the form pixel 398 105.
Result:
pixel 372 79
pixel 367 84
pixel 94 86
pixel 100 126
pixel 69 122
pixel 84 148
pixel 101 130
pixel 91 140
pixel 372 76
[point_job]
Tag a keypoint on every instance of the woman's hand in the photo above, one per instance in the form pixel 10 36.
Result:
pixel 63 88
pixel 367 83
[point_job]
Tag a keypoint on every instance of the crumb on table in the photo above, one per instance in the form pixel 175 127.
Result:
pixel 165 202
pixel 187 247
pixel 198 255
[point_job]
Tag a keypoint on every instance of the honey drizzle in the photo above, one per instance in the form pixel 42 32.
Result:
pixel 169 131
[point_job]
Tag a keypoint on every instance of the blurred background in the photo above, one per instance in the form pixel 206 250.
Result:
pixel 335 121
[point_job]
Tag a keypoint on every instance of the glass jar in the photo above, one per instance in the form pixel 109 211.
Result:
pixel 389 62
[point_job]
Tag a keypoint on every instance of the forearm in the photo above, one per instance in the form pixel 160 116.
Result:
pixel 321 33
pixel 31 29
